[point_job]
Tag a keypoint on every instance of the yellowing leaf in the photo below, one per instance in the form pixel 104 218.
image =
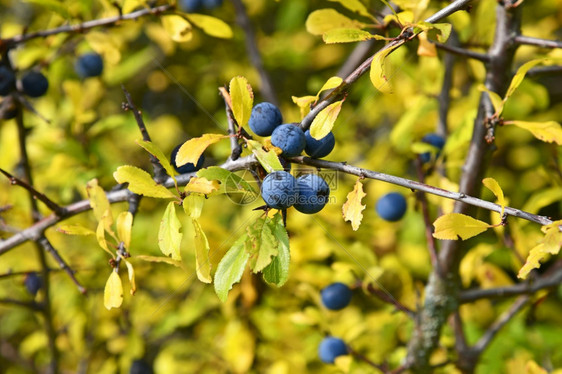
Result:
pixel 454 225
pixel 426 48
pixel 242 99
pixel 346 36
pixel 202 261
pixel 131 272
pixel 166 260
pixel 160 156
pixel 549 132
pixel 75 230
pixel 323 20
pixel 531 367
pixel 169 235
pixel 113 292
pixel 352 209
pixel 211 25
pixel 553 237
pixel 201 185
pixel 100 236
pixel 193 205
pixel 99 203
pixel 177 27
pixel 330 84
pixel 497 101
pixel 191 150
pixel 355 6
pixel 435 31
pixel 493 186
pixel 533 261
pixel 324 121
pixel 124 224
pixel 520 75
pixel 140 182
pixel 239 346
pixel 379 73
pixel 268 159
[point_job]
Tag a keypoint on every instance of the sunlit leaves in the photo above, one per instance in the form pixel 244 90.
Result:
pixel 520 75
pixel 140 182
pixel 71 229
pixel 124 225
pixel 454 226
pixel 131 273
pixel 191 150
pixel 202 261
pixel 113 291
pixel 352 209
pixel 550 132
pixel 533 261
pixel 355 6
pixel 348 36
pixel 277 272
pixel 201 185
pixel 380 73
pixel 211 25
pixel 230 268
pixel 242 100
pixel 229 182
pixel 493 186
pixel 497 101
pixel 268 159
pixel 193 205
pixel 324 121
pixel 179 29
pixel 160 156
pixel 261 244
pixel 99 203
pixel 323 20
pixel 169 235
pixel 304 102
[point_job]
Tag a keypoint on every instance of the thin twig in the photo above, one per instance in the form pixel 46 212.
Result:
pixel 40 196
pixel 361 357
pixel 463 52
pixel 26 304
pixel 48 247
pixel 236 148
pixel 390 300
pixel 538 42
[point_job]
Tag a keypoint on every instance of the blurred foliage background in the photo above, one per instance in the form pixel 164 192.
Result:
pixel 176 324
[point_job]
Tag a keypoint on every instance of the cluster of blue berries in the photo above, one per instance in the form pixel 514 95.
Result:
pixel 308 193
pixel 336 296
pixel 191 6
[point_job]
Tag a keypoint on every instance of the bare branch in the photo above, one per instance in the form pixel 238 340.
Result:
pixel 236 148
pixel 463 52
pixel 48 247
pixel 390 300
pixel 538 42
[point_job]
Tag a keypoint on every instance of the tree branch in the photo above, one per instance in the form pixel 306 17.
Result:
pixel 48 247
pixel 463 52
pixel 538 42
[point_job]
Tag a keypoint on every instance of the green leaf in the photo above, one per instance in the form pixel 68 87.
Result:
pixel 324 121
pixel 193 205
pixel 242 99
pixel 268 159
pixel 261 244
pixel 520 75
pixel 156 152
pixel 277 272
pixel 71 229
pixel 454 225
pixel 211 25
pixel 191 150
pixel 140 182
pixel 379 73
pixel 323 20
pixel 550 132
pixel 229 181
pixel 169 235
pixel 202 260
pixel 230 268
pixel 347 36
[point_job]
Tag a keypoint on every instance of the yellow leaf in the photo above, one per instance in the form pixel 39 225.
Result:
pixel 177 27
pixel 304 103
pixel 324 121
pixel 533 261
pixel 202 260
pixel 99 203
pixel 201 185
pixel 166 260
pixel 160 156
pixel 124 224
pixel 549 132
pixel 454 225
pixel 140 182
pixel 520 75
pixel 494 186
pixel 533 368
pixel 75 230
pixel 113 292
pixel 497 101
pixel 330 84
pixel 191 150
pixel 426 48
pixel 268 159
pixel 169 235
pixel 379 73
pixel 323 20
pixel 100 236
pixel 242 99
pixel 193 205
pixel 211 25
pixel 131 273
pixel 239 346
pixel 352 209
pixel 346 36
pixel 355 6
pixel 553 237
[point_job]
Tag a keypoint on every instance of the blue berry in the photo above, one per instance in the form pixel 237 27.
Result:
pixel 290 139
pixel 313 192
pixel 89 65
pixel 435 140
pixel 34 84
pixel 336 296
pixel 187 168
pixel 33 283
pixel 319 148
pixel 279 190
pixel 7 81
pixel 190 6
pixel 391 207
pixel 212 4
pixel 140 367
pixel 265 118
pixel 330 348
